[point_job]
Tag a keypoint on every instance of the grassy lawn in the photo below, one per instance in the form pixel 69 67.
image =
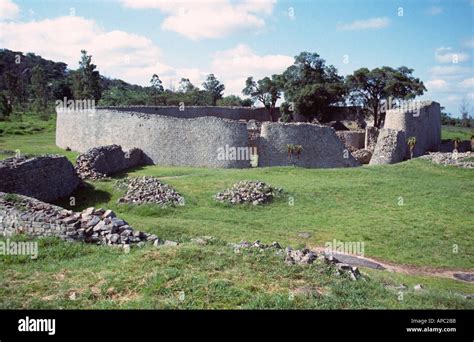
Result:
pixel 411 213
pixel 463 133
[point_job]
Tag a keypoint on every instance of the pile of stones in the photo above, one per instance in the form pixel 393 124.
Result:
pixel 301 257
pixel 448 158
pixel 254 192
pixel 99 162
pixel 104 228
pixel 149 190
pixel 25 215
pixel 362 155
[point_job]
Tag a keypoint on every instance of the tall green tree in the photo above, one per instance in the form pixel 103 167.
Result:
pixel 185 86
pixel 312 86
pixel 372 88
pixel 39 87
pixel 214 88
pixel 157 91
pixel 86 80
pixel 267 91
pixel 13 87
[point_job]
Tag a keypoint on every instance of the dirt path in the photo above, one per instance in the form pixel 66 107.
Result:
pixel 460 275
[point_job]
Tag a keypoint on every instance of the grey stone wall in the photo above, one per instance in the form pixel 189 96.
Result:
pixel 165 140
pixel 353 140
pixel 189 112
pixel 321 146
pixel 424 124
pixel 391 147
pixel 46 178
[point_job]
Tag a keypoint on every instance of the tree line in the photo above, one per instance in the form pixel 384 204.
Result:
pixel 309 87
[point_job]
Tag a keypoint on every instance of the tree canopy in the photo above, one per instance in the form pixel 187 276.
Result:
pixel 312 86
pixel 373 87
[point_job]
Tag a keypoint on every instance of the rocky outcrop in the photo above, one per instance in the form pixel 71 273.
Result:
pixel 102 161
pixel 46 178
pixel 391 147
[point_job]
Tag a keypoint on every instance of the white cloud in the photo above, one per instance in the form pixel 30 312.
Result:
pixel 435 10
pixel 118 54
pixel 234 65
pixel 372 23
pixel 436 84
pixel 208 19
pixel 447 55
pixel 467 83
pixel 8 9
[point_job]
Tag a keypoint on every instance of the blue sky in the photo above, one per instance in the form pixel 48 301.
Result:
pixel 235 39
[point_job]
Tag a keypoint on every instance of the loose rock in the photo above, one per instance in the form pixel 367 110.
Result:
pixel 255 192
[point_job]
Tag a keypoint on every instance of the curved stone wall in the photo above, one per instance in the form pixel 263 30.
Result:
pixel 165 140
pixel 190 112
pixel 321 146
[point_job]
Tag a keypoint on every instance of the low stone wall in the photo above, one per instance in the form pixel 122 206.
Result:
pixel 423 123
pixel 28 216
pixel 391 147
pixel 165 140
pixel 321 146
pixel 46 178
pixel 353 140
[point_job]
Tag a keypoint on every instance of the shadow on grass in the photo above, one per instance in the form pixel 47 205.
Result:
pixel 84 197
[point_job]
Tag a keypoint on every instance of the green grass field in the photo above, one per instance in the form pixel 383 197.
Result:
pixel 451 132
pixel 412 214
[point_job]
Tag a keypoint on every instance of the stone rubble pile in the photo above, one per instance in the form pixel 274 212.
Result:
pixel 362 155
pixel 99 162
pixel 255 192
pixel 301 257
pixel 103 227
pixel 147 189
pixel 448 158
pixel 25 215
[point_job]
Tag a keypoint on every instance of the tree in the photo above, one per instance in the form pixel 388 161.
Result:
pixel 267 91
pixel 464 109
pixel 312 86
pixel 373 87
pixel 214 87
pixel 13 87
pixel 39 86
pixel 5 106
pixel 185 86
pixel 157 90
pixel 233 101
pixel 86 80
pixel 156 84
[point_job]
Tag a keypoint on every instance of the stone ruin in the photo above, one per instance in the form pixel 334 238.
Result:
pixel 237 137
pixel 25 215
pixel 46 178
